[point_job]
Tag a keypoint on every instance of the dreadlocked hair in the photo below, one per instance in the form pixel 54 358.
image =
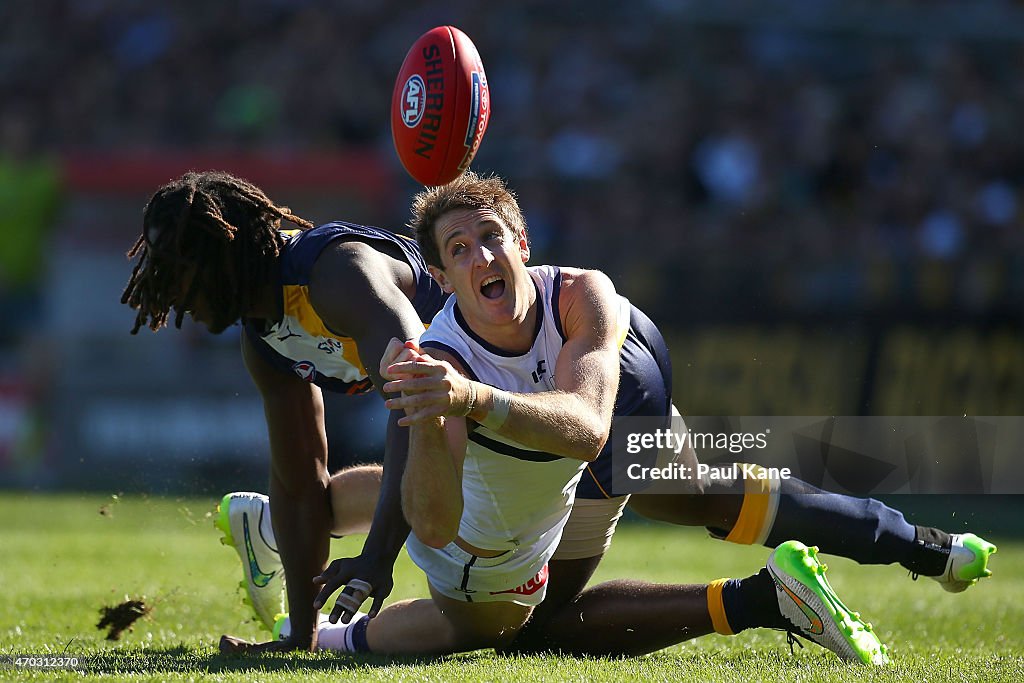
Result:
pixel 223 229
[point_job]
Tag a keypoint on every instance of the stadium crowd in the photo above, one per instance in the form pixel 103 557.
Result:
pixel 817 170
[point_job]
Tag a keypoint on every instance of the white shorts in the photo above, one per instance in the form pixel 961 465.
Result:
pixel 519 575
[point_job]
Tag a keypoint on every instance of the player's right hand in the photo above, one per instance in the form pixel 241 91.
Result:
pixel 430 389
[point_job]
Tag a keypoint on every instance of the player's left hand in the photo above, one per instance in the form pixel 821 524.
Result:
pixel 363 578
pixel 233 645
pixel 430 388
pixel 398 351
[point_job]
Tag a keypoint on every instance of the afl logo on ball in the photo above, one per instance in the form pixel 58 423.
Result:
pixel 305 370
pixel 414 97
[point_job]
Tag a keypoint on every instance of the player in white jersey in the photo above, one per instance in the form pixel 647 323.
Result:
pixel 515 497
pixel 453 492
pixel 631 617
pixel 528 360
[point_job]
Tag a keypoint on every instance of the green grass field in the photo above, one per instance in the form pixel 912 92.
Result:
pixel 62 560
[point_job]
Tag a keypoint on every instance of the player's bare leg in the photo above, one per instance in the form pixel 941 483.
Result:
pixel 443 625
pixel 615 618
pixel 718 510
pixel 354 492
pixel 624 617
pixel 436 626
pixel 691 502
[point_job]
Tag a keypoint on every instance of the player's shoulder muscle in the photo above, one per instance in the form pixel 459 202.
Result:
pixel 586 298
pixel 351 280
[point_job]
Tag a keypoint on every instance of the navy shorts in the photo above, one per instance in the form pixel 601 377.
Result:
pixel 645 389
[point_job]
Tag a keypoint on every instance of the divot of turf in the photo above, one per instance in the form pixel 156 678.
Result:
pixel 120 617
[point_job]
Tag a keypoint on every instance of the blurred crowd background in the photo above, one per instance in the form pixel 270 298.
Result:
pixel 819 202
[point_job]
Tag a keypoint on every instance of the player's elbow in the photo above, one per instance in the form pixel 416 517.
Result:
pixel 438 541
pixel 588 432
pixel 590 442
pixel 591 450
pixel 435 533
pixel 434 524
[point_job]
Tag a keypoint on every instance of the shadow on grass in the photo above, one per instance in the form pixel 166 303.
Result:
pixel 186 659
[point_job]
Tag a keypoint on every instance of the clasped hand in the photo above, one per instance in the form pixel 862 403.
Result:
pixel 429 388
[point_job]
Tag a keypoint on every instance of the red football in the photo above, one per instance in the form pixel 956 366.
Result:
pixel 440 106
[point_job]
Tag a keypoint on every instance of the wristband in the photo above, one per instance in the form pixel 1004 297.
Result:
pixel 497 415
pixel 471 404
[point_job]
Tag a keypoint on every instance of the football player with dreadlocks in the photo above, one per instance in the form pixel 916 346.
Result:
pixel 314 302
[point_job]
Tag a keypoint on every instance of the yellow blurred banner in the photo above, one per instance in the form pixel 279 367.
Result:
pixel 900 370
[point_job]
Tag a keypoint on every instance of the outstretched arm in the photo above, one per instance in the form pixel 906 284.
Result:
pixel 432 484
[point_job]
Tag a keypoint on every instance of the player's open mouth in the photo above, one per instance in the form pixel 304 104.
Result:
pixel 492 287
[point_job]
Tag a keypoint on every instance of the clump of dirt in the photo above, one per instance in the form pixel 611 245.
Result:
pixel 120 618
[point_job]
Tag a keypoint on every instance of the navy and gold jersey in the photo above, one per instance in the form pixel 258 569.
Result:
pixel 301 342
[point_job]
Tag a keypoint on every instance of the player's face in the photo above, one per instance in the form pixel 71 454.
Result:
pixel 198 306
pixel 483 264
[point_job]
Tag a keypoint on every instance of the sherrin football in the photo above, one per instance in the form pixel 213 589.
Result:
pixel 440 106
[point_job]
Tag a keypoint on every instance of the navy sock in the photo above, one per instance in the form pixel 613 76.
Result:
pixel 930 552
pixel 751 603
pixel 862 529
pixel 359 643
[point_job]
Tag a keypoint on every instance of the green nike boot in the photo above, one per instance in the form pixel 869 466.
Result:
pixel 967 564
pixel 240 518
pixel 808 602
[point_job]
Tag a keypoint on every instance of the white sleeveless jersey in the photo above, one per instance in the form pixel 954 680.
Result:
pixel 514 496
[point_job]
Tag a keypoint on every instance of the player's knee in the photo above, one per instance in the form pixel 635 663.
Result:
pixel 496 625
pixel 531 639
pixel 353 494
pixel 357 475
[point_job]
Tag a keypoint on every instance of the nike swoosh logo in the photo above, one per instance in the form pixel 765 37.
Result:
pixel 259 577
pixel 816 625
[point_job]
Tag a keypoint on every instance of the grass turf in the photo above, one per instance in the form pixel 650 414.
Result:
pixel 63 558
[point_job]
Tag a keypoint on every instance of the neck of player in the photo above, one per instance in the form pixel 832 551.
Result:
pixel 267 305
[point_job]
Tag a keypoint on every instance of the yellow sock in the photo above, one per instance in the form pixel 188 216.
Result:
pixel 716 607
pixel 757 514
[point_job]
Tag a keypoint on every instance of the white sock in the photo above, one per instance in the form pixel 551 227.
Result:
pixel 337 637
